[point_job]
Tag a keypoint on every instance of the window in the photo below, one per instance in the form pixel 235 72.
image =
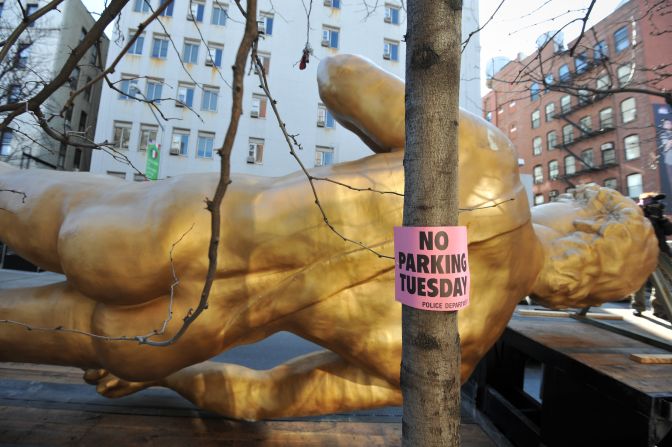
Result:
pixel 140 6
pixel 551 140
pixel 538 174
pixel 185 95
pixel 570 165
pixel 586 124
pixel 94 54
pixel 548 80
pixel 215 52
pixel 581 62
pixel 265 62
pixel 628 110
pixel 391 14
pixel 634 182
pixel 179 143
pixel 129 87
pixel 2 5
pixel 565 104
pixel 567 134
pixel 87 91
pixel 512 104
pixel 624 74
pixel 553 169
pixel 30 10
pixel 266 25
pixel 631 144
pixel 553 195
pixel 606 118
pixel 324 156
pixel 117 174
pixel 488 117
pixel 14 93
pixel 621 41
pixel 600 51
pixel 587 158
pixel 153 90
pixel 6 142
pixel 563 73
pixel 538 199
pixel 255 153
pixel 204 145
pixel 219 15
pixel 168 12
pixel 330 37
pixel 608 154
pixel 81 127
pixel 147 136
pixel 336 4
pixel 136 47
pixel 513 128
pixel 603 83
pixel 209 100
pixel 550 111
pixel 536 146
pixel 258 106
pixel 611 183
pixel 160 47
pixel 324 117
pixel 584 97
pixel 196 11
pixel 534 91
pixel 121 135
pixel 82 34
pixel 391 50
pixel 22 55
pixel 190 52
pixel 536 119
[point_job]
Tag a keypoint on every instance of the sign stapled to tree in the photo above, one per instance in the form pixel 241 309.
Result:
pixel 432 267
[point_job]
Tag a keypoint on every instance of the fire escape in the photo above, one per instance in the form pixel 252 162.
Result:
pixel 583 163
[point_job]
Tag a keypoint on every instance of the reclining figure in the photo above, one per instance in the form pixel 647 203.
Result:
pixel 282 269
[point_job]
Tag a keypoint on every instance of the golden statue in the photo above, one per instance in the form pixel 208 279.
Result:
pixel 282 269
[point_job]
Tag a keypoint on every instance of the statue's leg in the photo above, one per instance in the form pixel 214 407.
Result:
pixel 317 383
pixel 56 324
pixel 47 311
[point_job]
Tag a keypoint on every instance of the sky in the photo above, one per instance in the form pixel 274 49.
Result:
pixel 516 25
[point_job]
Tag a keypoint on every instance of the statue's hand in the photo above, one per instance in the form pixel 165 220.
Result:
pixel 111 386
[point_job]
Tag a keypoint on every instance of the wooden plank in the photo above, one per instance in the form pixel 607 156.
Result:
pixel 660 359
pixel 565 314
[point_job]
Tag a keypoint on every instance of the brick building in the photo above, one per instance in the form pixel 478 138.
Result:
pixel 587 118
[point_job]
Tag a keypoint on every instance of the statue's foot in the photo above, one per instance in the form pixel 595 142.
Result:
pixel 111 386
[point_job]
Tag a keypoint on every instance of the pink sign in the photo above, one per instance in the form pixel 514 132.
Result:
pixel 432 267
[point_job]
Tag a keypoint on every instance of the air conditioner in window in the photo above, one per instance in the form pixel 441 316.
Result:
pixel 254 114
pixel 327 3
pixel 209 62
pixel 320 122
pixel 179 103
pixel 325 42
pixel 250 159
pixel 388 19
pixel 386 55
pixel 174 151
pixel 261 27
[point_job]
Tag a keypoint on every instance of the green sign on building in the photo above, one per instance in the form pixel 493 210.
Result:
pixel 153 157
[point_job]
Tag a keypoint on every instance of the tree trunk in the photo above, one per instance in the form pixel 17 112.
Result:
pixel 430 367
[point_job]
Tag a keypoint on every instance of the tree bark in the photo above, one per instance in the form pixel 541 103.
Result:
pixel 430 367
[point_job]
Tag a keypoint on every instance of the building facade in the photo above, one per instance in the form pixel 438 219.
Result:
pixel 184 61
pixel 39 55
pixel 586 117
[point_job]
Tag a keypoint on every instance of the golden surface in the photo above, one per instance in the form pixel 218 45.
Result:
pixel 282 269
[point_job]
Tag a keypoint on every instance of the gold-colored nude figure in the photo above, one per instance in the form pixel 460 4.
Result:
pixel 282 269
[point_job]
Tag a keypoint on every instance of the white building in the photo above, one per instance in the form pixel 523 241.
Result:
pixel 188 138
pixel 39 56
